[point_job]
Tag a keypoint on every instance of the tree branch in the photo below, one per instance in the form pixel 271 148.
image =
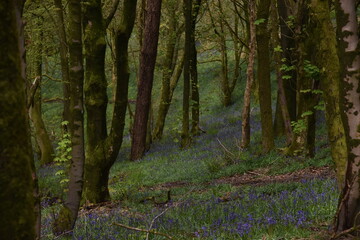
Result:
pixel 111 15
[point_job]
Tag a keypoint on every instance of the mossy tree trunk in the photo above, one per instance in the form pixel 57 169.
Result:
pixel 68 213
pixel 263 75
pixel 195 98
pixel 347 216
pixel 16 183
pixel 245 125
pixel 103 150
pixel 170 68
pixel 34 101
pixel 64 58
pixel 326 58
pixel 146 76
pixel 185 133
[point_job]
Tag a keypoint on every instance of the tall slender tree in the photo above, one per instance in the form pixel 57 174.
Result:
pixel 263 75
pixel 16 183
pixel 195 98
pixel 68 213
pixel 172 64
pixel 348 40
pixel 64 57
pixel 185 133
pixel 147 66
pixel 245 115
pixel 34 72
pixel 102 148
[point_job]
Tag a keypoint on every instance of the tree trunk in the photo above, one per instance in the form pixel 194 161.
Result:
pixel 287 44
pixel 168 68
pixel 263 75
pixel 147 66
pixel 68 213
pixel 326 58
pixel 104 151
pixel 195 98
pixel 41 134
pixel 168 88
pixel 282 122
pixel 245 125
pixel 16 183
pixel 349 208
pixel 185 134
pixel 64 60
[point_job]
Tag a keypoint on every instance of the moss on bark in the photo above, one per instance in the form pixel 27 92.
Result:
pixel 17 216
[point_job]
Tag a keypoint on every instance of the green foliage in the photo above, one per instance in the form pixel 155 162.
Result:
pixel 63 157
pixel 278 49
pixel 311 70
pixel 259 21
pixel 298 126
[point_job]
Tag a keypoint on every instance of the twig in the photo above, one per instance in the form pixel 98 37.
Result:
pixel 144 230
pixel 64 233
pixel 156 217
pixel 226 150
pixel 255 173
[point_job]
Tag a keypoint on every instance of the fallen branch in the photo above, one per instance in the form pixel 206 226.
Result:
pixel 225 149
pixel 144 230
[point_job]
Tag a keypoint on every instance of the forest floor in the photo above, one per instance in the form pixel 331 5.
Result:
pixel 212 190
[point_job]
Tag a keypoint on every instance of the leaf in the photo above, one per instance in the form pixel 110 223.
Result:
pixel 305 90
pixel 259 21
pixel 286 77
pixel 278 49
pixel 307 113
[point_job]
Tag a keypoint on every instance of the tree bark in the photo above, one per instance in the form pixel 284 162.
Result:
pixel 147 66
pixel 41 134
pixel 245 125
pixel 68 213
pixel 64 59
pixel 326 58
pixel 103 151
pixel 348 42
pixel 185 133
pixel 16 183
pixel 171 71
pixel 263 75
pixel 195 98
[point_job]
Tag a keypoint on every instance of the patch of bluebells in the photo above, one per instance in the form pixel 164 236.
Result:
pixel 252 212
pixel 245 216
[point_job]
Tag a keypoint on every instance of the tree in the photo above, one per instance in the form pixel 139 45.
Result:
pixel 185 133
pixel 263 75
pixel 64 58
pixel 222 28
pixel 195 98
pixel 68 213
pixel 172 64
pixel 281 123
pixel 348 42
pixel 322 35
pixel 147 66
pixel 16 183
pixel 245 115
pixel 103 149
pixel 34 72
